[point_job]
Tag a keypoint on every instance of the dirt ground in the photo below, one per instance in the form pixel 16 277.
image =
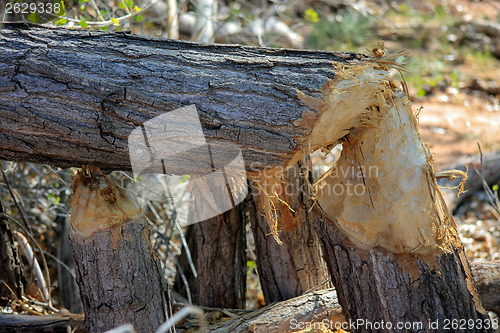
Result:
pixel 453 125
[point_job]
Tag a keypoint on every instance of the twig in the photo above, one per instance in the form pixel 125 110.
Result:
pixel 491 196
pixel 178 316
pixel 208 308
pixel 318 285
pixel 44 261
pixel 57 260
pixel 21 211
pixel 28 253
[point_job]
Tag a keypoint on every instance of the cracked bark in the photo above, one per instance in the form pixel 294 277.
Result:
pixel 69 97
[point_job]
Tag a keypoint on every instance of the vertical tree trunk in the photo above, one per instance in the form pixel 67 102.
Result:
pixel 11 273
pixel 378 287
pixel 390 242
pixel 218 251
pixel 118 273
pixel 291 262
pixel 68 289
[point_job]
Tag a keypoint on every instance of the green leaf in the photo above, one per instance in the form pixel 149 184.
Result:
pixel 105 28
pixel 83 23
pixel 311 15
pixel 139 18
pixel 137 9
pixel 34 18
pixel 129 3
pixel 121 5
pixel 421 92
pixel 115 21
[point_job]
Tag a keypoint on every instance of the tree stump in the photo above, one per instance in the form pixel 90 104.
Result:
pixel 117 271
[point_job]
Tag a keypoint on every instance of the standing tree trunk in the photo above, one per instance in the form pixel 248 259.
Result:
pixel 12 279
pixel 118 273
pixel 291 262
pixel 68 289
pixel 398 258
pixel 217 248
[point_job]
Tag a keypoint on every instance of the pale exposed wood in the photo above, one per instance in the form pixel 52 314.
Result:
pixel 72 97
pixel 398 256
pixel 118 273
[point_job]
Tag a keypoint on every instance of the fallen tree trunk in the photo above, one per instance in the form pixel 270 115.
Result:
pixel 118 273
pixel 308 309
pixel 56 323
pixel 487 278
pixel 290 315
pixel 69 97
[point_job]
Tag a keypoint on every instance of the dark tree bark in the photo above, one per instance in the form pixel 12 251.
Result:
pixel 218 251
pixel 286 316
pixel 377 286
pixel 69 97
pixel 118 273
pixel 296 265
pixel 11 273
pixel 487 277
pixel 68 289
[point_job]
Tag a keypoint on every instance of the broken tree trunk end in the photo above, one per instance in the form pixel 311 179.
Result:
pixel 118 273
pixel 398 257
